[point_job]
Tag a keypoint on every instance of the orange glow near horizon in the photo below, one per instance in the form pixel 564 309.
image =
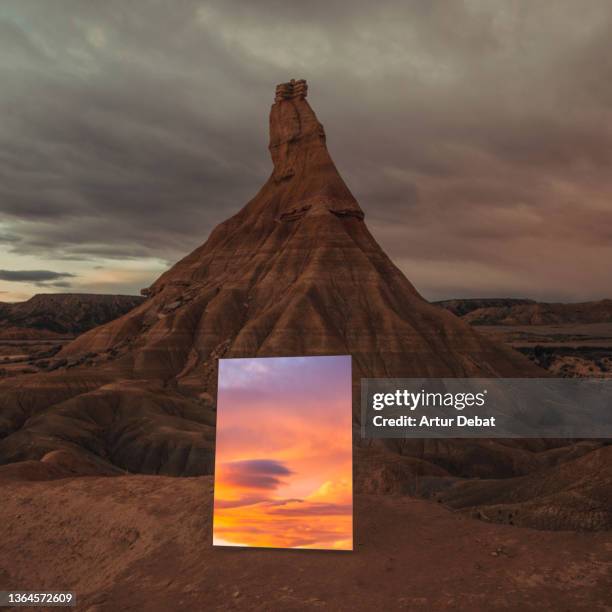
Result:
pixel 283 469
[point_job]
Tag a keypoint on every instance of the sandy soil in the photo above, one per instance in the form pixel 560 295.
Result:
pixel 144 543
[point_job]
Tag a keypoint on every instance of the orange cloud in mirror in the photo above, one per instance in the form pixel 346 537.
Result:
pixel 283 475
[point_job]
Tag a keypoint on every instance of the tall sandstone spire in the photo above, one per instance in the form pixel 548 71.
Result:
pixel 294 272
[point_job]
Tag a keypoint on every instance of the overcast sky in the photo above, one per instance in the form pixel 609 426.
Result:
pixel 476 135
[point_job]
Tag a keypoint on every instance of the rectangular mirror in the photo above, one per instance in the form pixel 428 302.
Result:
pixel 283 462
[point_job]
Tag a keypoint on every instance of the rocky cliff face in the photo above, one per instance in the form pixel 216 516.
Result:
pixel 295 272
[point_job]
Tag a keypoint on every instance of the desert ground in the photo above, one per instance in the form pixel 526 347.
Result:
pixel 144 543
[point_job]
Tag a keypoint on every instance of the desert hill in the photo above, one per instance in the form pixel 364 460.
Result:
pixel 34 331
pixel 64 314
pixel 294 272
pixel 461 307
pixel 568 340
pixel 507 311
pixel 565 494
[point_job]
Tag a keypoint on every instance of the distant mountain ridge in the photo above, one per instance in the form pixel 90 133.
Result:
pixel 511 311
pixel 461 307
pixel 63 313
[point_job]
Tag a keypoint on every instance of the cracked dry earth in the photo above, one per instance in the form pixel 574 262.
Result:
pixel 144 542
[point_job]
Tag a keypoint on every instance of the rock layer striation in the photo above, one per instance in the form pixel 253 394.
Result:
pixel 294 272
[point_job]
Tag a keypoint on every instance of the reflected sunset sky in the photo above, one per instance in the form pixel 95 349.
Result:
pixel 283 470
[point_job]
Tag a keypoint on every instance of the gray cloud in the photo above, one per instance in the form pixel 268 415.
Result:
pixel 39 277
pixel 476 135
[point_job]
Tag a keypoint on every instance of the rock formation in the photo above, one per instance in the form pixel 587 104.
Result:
pixel 568 340
pixel 34 331
pixel 506 311
pixel 66 314
pixel 463 306
pixel 295 272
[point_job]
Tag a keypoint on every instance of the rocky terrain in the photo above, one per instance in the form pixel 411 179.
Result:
pixel 508 311
pixel 144 543
pixel 63 314
pixel 462 307
pixel 33 331
pixel 568 340
pixel 294 272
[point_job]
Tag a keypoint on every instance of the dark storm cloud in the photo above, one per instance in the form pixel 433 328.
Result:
pixel 476 135
pixel 38 277
pixel 119 142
